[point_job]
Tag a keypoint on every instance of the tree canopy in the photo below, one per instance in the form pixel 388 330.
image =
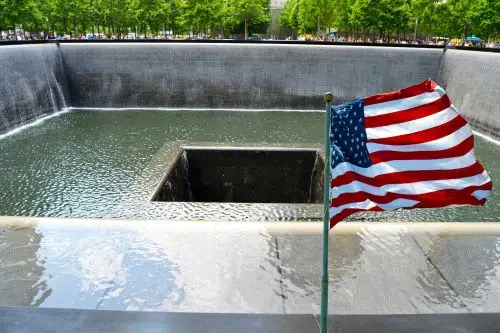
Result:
pixel 149 17
pixel 451 18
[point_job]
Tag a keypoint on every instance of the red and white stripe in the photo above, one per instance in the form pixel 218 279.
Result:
pixel 422 154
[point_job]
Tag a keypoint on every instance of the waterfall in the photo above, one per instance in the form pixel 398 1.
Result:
pixel 315 182
pixel 471 81
pixel 185 173
pixel 32 84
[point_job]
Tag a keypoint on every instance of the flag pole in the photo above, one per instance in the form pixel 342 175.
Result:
pixel 326 218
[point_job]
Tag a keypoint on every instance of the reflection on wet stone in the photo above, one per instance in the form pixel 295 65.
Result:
pixel 369 273
pixel 202 268
pixel 21 268
pixel 147 268
pixel 470 265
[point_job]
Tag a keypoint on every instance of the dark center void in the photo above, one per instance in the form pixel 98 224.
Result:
pixel 244 176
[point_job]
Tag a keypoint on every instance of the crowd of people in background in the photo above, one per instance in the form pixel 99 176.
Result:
pixel 131 36
pixel 431 41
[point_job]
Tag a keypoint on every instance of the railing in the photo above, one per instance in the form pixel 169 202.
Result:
pixel 239 41
pixel 215 41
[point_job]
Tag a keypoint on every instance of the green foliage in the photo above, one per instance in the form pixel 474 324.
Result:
pixel 289 14
pixel 341 14
pixel 307 16
pixel 380 15
pixel 451 18
pixel 198 15
pixel 248 12
pixel 123 16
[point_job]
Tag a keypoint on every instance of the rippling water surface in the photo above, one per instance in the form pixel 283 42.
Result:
pixel 102 164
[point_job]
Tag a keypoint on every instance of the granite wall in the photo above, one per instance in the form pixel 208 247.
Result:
pixel 261 76
pixel 472 80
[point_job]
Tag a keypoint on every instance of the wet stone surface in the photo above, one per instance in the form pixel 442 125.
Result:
pixel 243 268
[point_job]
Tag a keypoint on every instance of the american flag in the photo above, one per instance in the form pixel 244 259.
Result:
pixel 405 149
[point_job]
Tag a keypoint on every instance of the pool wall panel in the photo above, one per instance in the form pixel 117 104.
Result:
pixel 472 80
pixel 260 76
pixel 36 80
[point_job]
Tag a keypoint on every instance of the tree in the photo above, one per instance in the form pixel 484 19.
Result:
pixel 12 13
pixel 197 15
pixel 483 18
pixel 173 14
pixel 402 17
pixel 364 15
pixel 248 12
pixel 289 15
pixel 425 12
pixel 393 16
pixel 307 15
pixel 150 13
pixel 341 14
pixel 451 18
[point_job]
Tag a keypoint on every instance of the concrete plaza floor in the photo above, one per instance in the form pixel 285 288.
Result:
pixel 248 267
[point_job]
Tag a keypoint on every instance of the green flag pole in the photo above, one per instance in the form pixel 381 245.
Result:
pixel 326 218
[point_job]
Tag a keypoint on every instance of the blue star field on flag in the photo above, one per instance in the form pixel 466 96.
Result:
pixel 348 134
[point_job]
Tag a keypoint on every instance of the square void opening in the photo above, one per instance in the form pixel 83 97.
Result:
pixel 245 176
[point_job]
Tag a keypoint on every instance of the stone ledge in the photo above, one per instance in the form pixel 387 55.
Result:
pixel 21 320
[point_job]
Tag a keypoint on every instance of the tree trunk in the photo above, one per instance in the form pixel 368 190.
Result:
pixel 246 28
pixel 318 28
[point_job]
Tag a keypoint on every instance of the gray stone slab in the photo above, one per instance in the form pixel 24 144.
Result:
pixel 235 267
pixel 19 272
pixel 370 272
pixel 470 265
pixel 24 320
pixel 140 268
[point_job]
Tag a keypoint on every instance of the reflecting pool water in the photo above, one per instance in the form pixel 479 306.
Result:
pixel 90 163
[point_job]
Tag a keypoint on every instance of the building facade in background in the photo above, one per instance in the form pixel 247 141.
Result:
pixel 277 4
pixel 274 28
